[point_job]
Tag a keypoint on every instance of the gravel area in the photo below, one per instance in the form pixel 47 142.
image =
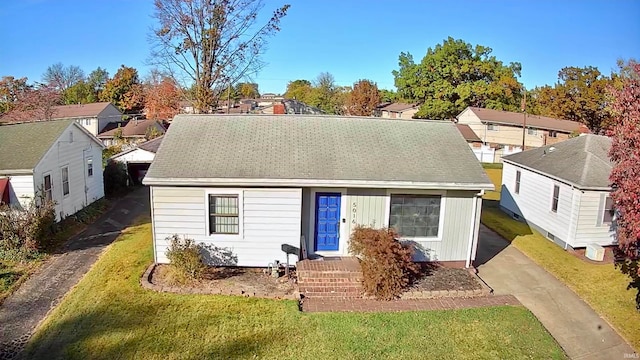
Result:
pixel 442 278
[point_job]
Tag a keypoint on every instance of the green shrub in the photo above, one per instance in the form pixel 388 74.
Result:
pixel 115 178
pixel 387 264
pixel 25 232
pixel 492 165
pixel 186 258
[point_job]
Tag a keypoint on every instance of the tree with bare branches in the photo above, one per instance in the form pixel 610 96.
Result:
pixel 62 77
pixel 210 43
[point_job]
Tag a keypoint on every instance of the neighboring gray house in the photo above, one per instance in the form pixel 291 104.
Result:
pixel 138 158
pixel 253 183
pixel 60 158
pixel 562 190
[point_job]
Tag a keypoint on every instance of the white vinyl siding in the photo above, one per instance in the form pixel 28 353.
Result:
pixel 136 156
pixel 83 189
pixel 270 218
pixel 590 228
pixel 535 199
pixel 21 190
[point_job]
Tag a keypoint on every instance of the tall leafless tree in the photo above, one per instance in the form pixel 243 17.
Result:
pixel 210 43
pixel 62 77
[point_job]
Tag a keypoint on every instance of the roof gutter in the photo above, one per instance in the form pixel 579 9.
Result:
pixel 577 186
pixel 529 126
pixel 16 172
pixel 315 183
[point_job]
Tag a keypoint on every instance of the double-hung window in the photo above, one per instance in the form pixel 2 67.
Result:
pixel 224 214
pixel 608 211
pixel 65 181
pixel 47 188
pixel 89 167
pixel 518 174
pixel 415 216
pixel 532 131
pixel 492 127
pixel 555 199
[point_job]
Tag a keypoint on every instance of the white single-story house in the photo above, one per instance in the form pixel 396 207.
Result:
pixel 58 158
pixel 563 191
pixel 399 111
pixel 138 158
pixel 256 184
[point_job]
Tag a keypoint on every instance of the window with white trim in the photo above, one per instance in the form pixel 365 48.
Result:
pixel 224 214
pixel 556 198
pixel 65 181
pixel 47 188
pixel 518 174
pixel 553 133
pixel 532 131
pixel 492 127
pixel 415 216
pixel 609 211
pixel 89 167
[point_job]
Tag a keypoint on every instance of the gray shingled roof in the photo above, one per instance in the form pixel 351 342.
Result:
pixel 23 145
pixel 199 148
pixel 582 161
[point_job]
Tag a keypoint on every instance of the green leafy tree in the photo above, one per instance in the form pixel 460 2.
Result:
pixel 299 90
pixel 247 90
pixel 388 95
pixel 11 91
pixel 80 93
pixel 124 90
pixel 211 43
pixel 97 80
pixel 454 75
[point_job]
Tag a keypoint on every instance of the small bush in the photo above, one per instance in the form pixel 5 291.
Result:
pixel 24 232
pixel 387 264
pixel 186 258
pixel 115 179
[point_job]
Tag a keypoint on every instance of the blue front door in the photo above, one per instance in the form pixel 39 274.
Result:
pixel 327 229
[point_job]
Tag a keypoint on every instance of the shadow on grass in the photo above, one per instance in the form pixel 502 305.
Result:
pixel 630 266
pixel 90 335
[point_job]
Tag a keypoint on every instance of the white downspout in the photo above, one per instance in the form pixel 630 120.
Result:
pixel 473 235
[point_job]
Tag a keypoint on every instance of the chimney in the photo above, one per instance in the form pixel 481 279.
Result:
pixel 278 108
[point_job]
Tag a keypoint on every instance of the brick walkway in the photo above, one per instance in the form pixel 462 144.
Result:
pixel 369 305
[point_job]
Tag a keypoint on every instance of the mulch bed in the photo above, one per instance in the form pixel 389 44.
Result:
pixel 434 278
pixel 232 280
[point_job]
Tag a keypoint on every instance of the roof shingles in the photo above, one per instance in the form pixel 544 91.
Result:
pixel 315 148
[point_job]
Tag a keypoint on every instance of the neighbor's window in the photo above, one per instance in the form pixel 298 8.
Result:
pixel 553 134
pixel 89 167
pixel 47 188
pixel 224 215
pixel 518 182
pixel 609 211
pixel 532 131
pixel 415 215
pixel 556 198
pixel 492 127
pixel 65 181
pixel 87 121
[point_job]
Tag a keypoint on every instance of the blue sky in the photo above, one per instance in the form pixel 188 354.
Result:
pixel 350 39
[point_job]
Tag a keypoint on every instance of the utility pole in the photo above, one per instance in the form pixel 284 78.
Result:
pixel 229 98
pixel 524 120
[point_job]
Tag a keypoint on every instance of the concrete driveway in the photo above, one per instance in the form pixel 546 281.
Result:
pixel 575 326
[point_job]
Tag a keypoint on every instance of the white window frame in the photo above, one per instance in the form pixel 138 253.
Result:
pixel 604 210
pixel 89 163
pixel 223 192
pixel 87 122
pixel 62 180
pixel 518 182
pixel 48 173
pixel 553 133
pixel 492 127
pixel 532 131
pixel 443 203
pixel 553 190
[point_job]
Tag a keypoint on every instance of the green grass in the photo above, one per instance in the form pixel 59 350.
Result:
pixel 602 286
pixel 108 315
pixel 492 166
pixel 13 274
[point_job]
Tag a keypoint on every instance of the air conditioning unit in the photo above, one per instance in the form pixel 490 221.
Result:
pixel 594 252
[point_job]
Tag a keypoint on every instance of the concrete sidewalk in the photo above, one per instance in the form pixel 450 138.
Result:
pixel 581 332
pixel 24 309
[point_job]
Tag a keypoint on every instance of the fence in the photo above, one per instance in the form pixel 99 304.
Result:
pixel 489 155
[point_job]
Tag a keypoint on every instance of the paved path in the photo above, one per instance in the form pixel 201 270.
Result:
pixel 370 305
pixel 24 309
pixel 577 328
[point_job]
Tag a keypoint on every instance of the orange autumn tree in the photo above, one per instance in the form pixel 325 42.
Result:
pixel 162 98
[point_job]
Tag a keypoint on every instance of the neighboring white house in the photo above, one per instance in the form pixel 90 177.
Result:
pixel 139 158
pixel 253 183
pixel 58 158
pixel 563 191
pixel 130 132
pixel 399 111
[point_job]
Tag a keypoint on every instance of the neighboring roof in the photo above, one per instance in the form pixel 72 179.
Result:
pixel 306 150
pixel 582 161
pixel 151 145
pixel 534 121
pixel 398 107
pixel 468 133
pixel 62 112
pixel 132 128
pixel 22 146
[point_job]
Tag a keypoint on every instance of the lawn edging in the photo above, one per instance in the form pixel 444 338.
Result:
pixel 146 283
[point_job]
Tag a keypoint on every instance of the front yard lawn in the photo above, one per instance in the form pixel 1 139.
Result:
pixel 108 315
pixel 602 286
